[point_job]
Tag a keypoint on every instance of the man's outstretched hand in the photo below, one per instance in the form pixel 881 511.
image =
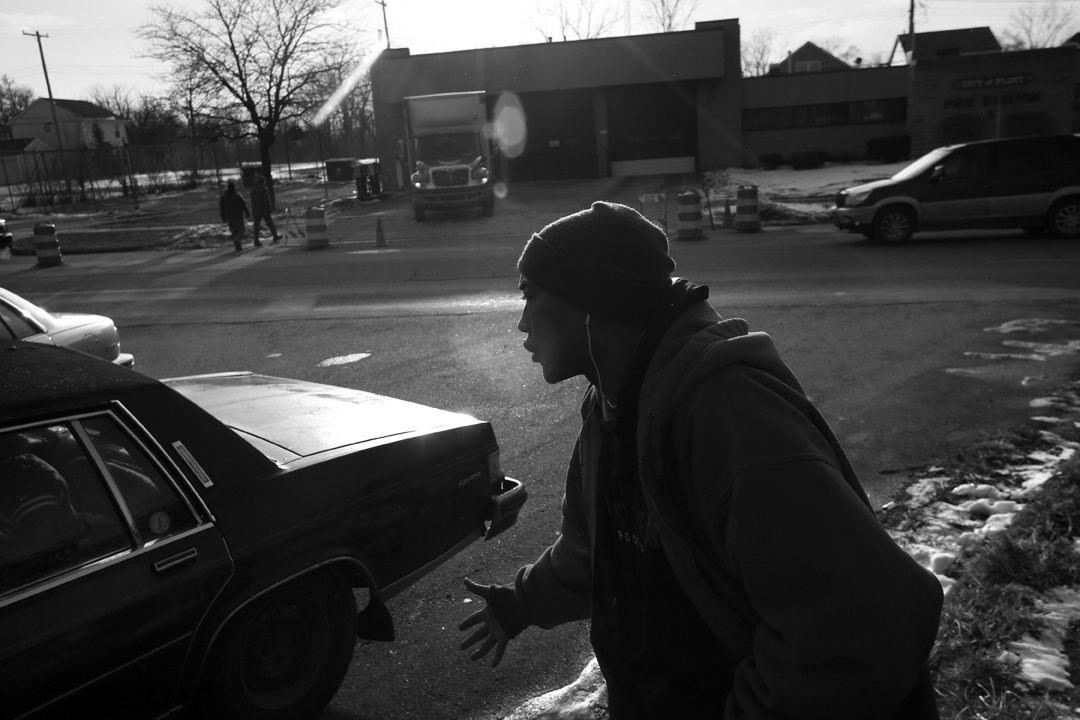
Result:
pixel 489 632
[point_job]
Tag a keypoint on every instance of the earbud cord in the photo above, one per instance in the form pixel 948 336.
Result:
pixel 605 406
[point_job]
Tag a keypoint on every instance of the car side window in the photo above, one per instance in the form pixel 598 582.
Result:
pixel 157 509
pixel 960 164
pixel 1020 159
pixel 11 322
pixel 53 515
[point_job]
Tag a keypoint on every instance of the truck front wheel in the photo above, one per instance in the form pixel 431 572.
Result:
pixel 418 213
pixel 488 207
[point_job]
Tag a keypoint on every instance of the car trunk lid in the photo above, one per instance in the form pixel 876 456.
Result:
pixel 286 419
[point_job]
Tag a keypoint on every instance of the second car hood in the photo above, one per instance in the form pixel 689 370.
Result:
pixel 307 418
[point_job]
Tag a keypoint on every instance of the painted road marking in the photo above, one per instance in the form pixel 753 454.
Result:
pixel 343 360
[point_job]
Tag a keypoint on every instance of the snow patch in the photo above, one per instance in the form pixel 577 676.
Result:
pixel 1004 356
pixel 1048 349
pixel 1031 325
pixel 1043 661
pixel 573 702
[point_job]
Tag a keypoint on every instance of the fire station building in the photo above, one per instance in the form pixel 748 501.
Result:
pixel 674 103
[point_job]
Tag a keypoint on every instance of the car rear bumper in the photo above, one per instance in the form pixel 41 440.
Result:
pixel 507 498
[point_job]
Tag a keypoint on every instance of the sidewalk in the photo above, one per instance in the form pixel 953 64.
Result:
pixel 178 221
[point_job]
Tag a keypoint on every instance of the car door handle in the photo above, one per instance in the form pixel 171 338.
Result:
pixel 187 556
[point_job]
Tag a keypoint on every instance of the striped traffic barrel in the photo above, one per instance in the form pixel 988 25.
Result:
pixel 689 216
pixel 746 209
pixel 316 228
pixel 46 246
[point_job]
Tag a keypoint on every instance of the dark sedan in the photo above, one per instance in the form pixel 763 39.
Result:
pixel 194 544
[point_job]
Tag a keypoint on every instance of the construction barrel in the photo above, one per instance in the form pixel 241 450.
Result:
pixel 746 209
pixel 689 216
pixel 315 226
pixel 46 245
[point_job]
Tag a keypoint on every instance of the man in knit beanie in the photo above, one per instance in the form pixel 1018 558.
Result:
pixel 713 531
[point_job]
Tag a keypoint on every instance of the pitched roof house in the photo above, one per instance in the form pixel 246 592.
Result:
pixel 808 58
pixel 75 119
pixel 945 43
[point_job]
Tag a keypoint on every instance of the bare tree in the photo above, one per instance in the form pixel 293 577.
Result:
pixel 251 62
pixel 1038 26
pixel 117 99
pixel 836 47
pixel 756 52
pixel 669 15
pixel 149 120
pixel 13 99
pixel 350 78
pixel 573 19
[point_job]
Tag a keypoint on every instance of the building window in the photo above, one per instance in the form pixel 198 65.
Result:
pixel 826 114
pixel 780 118
pixel 117 133
pixel 808 66
pixel 48 127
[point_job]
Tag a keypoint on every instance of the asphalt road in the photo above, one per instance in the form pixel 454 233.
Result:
pixel 895 344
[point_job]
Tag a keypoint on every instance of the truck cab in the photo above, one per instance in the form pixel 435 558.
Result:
pixel 449 152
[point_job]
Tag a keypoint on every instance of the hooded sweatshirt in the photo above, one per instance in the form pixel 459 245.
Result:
pixel 766 528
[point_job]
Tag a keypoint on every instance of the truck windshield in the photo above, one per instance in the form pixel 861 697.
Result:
pixel 447 148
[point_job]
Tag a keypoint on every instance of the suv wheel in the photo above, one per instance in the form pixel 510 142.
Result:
pixel 894 225
pixel 1064 218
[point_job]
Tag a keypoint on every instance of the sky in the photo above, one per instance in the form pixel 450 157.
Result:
pixel 94 43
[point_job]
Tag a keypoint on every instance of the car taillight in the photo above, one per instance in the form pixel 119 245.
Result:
pixel 495 473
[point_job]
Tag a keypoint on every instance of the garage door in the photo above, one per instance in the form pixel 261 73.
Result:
pixel 652 128
pixel 561 140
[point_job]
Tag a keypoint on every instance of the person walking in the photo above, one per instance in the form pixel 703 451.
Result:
pixel 261 207
pixel 233 211
pixel 713 531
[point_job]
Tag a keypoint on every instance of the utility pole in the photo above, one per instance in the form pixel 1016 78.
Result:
pixel 48 86
pixel 385 26
pixel 52 106
pixel 911 34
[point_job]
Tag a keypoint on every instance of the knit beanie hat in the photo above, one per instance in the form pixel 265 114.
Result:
pixel 608 261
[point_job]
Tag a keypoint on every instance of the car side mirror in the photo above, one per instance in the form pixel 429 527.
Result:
pixel 937 173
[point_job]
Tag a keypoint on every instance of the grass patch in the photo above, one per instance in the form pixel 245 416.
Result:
pixel 999 582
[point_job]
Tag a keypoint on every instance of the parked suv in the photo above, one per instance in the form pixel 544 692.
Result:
pixel 1031 183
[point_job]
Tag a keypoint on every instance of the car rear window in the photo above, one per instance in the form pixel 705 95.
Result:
pixel 67 489
pixel 156 508
pixel 55 514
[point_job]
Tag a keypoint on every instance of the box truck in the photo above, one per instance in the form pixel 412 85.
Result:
pixel 449 152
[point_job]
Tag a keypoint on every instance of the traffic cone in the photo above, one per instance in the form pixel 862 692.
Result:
pixel 380 239
pixel 728 221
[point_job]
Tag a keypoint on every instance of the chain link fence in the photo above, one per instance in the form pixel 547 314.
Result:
pixel 91 177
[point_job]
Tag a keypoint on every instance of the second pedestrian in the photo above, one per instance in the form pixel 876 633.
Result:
pixel 261 207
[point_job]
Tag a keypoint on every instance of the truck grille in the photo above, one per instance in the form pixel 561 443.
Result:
pixel 450 178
